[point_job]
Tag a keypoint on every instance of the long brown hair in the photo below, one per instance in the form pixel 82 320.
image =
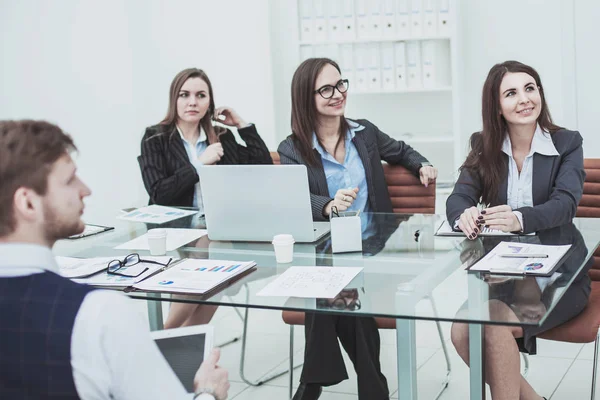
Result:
pixel 486 158
pixel 170 119
pixel 304 110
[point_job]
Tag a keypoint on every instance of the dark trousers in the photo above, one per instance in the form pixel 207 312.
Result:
pixel 323 362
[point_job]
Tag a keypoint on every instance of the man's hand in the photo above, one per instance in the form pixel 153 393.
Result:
pixel 211 376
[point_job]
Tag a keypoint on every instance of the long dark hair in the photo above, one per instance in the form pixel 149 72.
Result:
pixel 304 111
pixel 486 158
pixel 170 119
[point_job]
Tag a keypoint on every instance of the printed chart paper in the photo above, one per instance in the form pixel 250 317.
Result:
pixel 311 282
pixel 156 214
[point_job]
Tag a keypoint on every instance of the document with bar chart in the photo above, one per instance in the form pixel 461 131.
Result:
pixel 194 276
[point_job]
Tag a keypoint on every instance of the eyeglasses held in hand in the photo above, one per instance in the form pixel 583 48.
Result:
pixel 328 91
pixel 118 267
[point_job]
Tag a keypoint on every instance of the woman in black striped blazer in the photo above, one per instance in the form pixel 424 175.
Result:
pixel 174 150
pixel 343 158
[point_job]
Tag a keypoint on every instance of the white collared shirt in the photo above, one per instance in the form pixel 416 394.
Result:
pixel 193 151
pixel 112 354
pixel 519 191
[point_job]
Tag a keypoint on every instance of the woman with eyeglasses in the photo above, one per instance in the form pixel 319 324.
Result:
pixel 174 151
pixel 343 158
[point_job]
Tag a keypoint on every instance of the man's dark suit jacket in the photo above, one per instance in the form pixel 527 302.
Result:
pixel 372 146
pixel 557 186
pixel 168 174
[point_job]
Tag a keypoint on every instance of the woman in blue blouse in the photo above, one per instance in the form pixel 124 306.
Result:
pixel 343 159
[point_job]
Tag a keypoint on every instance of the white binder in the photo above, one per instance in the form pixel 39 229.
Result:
pixel 388 80
pixel 362 19
pixel 306 52
pixel 435 55
pixel 400 70
pixel 413 65
pixel 429 18
pixel 360 64
pixel 306 21
pixel 375 31
pixel 374 70
pixel 402 18
pixel 443 20
pixel 349 25
pixel 347 63
pixel 335 19
pixel 416 19
pixel 320 21
pixel 388 23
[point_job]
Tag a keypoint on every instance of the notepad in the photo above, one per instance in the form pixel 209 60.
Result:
pixel 446 230
pixel 495 263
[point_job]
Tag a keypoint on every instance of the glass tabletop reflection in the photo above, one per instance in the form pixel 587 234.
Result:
pixel 407 271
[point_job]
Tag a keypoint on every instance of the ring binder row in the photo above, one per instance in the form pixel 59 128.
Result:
pixel 343 20
pixel 389 66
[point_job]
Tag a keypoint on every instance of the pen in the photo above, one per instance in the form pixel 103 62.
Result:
pixel 524 255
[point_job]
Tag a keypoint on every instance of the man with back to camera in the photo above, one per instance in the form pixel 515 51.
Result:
pixel 60 339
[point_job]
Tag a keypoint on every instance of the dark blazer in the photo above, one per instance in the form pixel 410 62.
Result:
pixel 372 146
pixel 168 174
pixel 557 186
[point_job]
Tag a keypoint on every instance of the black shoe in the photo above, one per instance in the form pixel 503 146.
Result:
pixel 308 391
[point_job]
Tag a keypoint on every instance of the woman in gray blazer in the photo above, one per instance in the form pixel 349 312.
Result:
pixel 526 174
pixel 343 158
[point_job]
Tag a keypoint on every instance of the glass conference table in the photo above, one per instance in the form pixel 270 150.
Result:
pixel 408 274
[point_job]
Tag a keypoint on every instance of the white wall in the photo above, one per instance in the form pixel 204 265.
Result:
pixel 102 70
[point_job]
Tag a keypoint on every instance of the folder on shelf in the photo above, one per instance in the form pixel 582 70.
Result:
pixel 429 18
pixel 334 19
pixel 443 19
pixel 362 19
pixel 413 65
pixel 347 63
pixel 388 22
pixel 416 19
pixel 360 67
pixel 306 21
pixel 348 20
pixel 435 57
pixel 374 70
pixel 375 31
pixel 400 70
pixel 388 81
pixel 306 52
pixel 402 18
pixel 320 21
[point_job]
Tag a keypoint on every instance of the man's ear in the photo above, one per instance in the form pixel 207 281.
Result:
pixel 27 204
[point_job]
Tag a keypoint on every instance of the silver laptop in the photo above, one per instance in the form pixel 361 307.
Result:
pixel 256 202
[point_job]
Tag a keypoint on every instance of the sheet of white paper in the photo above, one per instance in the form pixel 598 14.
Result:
pixel 311 282
pixel 71 267
pixel 176 237
pixel 105 279
pixel 195 276
pixel 494 263
pixel 155 214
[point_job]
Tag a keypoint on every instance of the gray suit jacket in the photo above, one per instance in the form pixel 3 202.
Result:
pixel 557 186
pixel 372 146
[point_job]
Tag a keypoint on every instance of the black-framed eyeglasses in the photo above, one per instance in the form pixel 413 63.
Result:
pixel 328 91
pixel 118 267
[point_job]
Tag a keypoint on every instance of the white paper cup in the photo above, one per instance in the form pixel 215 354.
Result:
pixel 157 242
pixel 284 248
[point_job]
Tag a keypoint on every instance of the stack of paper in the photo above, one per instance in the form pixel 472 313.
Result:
pixel 156 214
pixel 195 276
pixel 111 280
pixel 71 267
pixel 176 237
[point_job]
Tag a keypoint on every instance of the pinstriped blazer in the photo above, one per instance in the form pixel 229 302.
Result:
pixel 557 186
pixel 168 175
pixel 373 146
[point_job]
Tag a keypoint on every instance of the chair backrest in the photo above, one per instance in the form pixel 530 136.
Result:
pixel 589 206
pixel 407 194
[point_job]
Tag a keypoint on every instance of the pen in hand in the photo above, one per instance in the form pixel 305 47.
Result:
pixel 524 255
